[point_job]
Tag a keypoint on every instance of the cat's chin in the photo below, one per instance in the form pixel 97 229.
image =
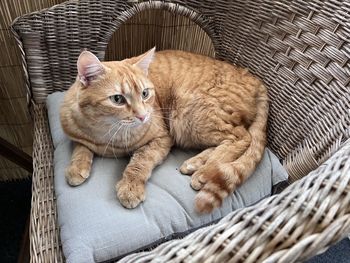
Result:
pixel 136 124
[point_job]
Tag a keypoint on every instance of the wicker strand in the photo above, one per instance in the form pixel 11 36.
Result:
pixel 45 245
pixel 278 229
pixel 300 50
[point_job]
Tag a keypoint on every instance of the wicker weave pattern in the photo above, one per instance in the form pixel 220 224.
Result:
pixel 55 37
pixel 156 27
pixel 301 51
pixel 45 245
pixel 302 221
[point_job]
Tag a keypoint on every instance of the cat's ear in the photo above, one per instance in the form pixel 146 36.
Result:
pixel 145 60
pixel 89 67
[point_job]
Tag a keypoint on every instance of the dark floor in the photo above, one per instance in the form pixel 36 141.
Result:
pixel 339 253
pixel 15 206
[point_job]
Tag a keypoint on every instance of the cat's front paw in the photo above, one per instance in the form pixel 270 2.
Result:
pixel 76 175
pixel 130 194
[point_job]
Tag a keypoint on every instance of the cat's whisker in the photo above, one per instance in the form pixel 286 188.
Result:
pixel 158 112
pixel 114 125
pixel 163 117
pixel 162 110
pixel 111 140
pixel 126 139
pixel 128 135
pixel 165 108
pixel 161 126
pixel 114 140
pixel 163 123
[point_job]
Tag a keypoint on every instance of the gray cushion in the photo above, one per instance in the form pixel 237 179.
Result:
pixel 95 227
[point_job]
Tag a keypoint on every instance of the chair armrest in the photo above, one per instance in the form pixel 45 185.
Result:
pixel 44 239
pixel 302 221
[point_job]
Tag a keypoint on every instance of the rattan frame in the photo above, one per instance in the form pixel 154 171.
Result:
pixel 300 49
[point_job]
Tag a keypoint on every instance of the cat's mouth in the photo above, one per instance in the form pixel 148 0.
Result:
pixel 136 122
pixel 129 123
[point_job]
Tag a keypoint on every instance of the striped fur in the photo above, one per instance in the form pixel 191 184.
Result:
pixel 195 102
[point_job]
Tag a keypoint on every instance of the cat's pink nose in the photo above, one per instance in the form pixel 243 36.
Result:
pixel 141 117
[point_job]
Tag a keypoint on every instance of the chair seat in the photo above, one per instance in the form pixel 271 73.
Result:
pixel 95 226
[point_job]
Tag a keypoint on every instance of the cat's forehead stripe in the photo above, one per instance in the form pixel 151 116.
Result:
pixel 141 85
pixel 118 88
pixel 130 84
pixel 125 88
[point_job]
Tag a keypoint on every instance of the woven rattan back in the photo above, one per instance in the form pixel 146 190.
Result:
pixel 163 29
pixel 299 48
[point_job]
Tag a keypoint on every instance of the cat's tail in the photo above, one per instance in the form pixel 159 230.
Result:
pixel 245 165
pixel 234 173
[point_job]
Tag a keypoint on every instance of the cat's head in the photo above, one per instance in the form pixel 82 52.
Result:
pixel 118 91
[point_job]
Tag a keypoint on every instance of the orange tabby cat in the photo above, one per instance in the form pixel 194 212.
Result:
pixel 144 105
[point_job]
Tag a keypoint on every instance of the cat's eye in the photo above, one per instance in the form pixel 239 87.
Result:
pixel 118 99
pixel 145 94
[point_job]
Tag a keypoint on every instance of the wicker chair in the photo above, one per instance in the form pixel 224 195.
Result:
pixel 299 48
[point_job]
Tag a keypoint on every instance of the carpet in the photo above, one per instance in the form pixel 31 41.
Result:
pixel 15 207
